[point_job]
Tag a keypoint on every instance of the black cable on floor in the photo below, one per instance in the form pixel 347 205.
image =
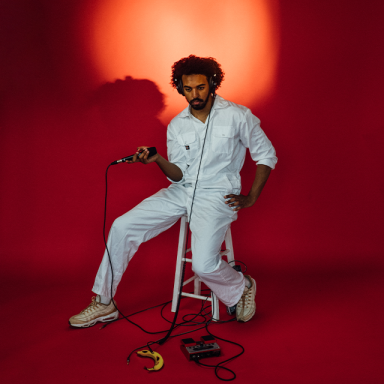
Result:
pixel 186 322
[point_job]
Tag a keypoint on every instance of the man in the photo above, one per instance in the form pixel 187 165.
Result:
pixel 219 131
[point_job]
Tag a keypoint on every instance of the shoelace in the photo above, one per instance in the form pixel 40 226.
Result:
pixel 91 306
pixel 245 300
pixel 241 303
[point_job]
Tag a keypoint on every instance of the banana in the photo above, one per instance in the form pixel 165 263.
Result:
pixel 156 357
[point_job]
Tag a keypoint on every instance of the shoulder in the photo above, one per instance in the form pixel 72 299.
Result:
pixel 235 112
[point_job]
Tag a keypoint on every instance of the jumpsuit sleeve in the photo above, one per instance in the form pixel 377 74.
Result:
pixel 175 152
pixel 254 138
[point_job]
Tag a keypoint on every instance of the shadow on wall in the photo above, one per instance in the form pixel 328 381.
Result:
pixel 116 118
pixel 128 100
pixel 126 115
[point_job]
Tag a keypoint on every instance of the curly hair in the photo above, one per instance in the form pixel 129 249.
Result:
pixel 194 65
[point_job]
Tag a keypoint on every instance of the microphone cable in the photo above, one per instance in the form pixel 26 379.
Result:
pixel 165 338
pixel 106 247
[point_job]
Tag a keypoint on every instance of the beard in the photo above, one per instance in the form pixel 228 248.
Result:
pixel 200 106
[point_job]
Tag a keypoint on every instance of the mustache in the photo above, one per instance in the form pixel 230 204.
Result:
pixel 196 100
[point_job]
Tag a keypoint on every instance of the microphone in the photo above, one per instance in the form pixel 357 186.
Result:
pixel 152 151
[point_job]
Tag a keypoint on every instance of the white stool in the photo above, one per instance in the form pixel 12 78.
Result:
pixel 179 265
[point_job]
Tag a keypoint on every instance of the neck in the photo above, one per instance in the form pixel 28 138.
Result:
pixel 203 113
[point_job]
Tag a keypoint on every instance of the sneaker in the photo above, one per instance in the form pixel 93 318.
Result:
pixel 246 307
pixel 95 312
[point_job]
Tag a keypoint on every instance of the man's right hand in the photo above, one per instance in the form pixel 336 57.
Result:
pixel 170 170
pixel 142 156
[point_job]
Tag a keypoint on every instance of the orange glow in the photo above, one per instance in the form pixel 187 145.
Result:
pixel 144 38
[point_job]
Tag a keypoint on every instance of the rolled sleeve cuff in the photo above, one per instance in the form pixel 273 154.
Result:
pixel 268 162
pixel 182 179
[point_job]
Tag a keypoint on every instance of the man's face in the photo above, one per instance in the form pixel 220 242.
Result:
pixel 196 90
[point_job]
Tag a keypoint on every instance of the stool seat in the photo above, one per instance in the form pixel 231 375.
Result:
pixel 181 257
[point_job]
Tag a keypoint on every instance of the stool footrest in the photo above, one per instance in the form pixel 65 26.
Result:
pixel 196 296
pixel 189 280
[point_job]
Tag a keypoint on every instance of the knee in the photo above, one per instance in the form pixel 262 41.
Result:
pixel 197 268
pixel 204 265
pixel 122 224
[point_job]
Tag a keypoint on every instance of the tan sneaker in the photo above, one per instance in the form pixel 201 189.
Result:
pixel 95 312
pixel 246 307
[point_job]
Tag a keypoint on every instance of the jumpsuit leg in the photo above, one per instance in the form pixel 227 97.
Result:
pixel 210 220
pixel 147 220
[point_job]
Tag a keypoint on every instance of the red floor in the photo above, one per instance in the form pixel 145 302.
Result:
pixel 312 326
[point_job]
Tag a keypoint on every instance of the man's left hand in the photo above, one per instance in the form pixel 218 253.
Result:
pixel 237 202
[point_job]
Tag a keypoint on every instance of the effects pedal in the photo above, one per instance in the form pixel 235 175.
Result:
pixel 196 350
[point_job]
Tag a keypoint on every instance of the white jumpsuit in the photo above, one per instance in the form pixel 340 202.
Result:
pixel 231 129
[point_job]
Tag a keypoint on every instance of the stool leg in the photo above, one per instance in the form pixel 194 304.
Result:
pixel 230 257
pixel 197 286
pixel 215 307
pixel 229 246
pixel 179 261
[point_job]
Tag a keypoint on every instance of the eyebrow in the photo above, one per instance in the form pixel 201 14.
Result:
pixel 200 85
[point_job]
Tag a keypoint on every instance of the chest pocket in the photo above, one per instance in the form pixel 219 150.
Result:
pixel 223 140
pixel 190 144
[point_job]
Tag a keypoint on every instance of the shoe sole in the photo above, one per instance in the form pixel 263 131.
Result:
pixel 102 319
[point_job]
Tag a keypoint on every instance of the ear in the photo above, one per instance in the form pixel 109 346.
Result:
pixel 212 84
pixel 179 86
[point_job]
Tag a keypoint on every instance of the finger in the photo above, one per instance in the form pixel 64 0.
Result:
pixel 140 153
pixel 137 154
pixel 138 157
pixel 144 156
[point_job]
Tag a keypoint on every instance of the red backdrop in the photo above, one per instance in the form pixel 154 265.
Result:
pixel 322 209
pixel 322 204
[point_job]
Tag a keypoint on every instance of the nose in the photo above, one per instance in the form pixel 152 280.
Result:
pixel 195 93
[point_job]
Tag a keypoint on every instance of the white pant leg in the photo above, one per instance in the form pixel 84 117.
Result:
pixel 210 220
pixel 148 219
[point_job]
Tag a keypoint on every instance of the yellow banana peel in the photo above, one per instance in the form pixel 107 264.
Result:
pixel 156 357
